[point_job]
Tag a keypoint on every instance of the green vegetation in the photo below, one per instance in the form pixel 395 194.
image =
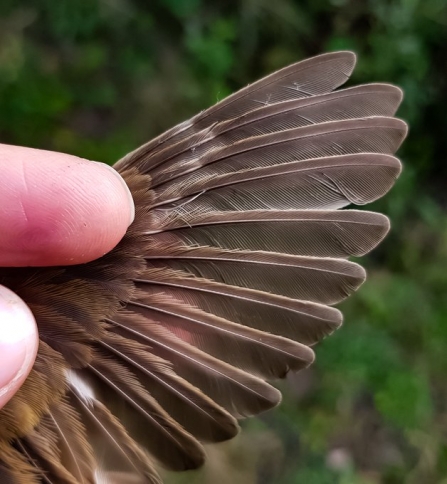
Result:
pixel 97 78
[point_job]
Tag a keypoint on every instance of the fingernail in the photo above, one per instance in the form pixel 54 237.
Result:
pixel 18 340
pixel 126 189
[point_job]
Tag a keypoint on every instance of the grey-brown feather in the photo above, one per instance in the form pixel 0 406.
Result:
pixel 321 183
pixel 196 412
pixel 240 393
pixel 302 321
pixel 318 75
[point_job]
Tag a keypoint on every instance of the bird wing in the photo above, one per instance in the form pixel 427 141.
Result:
pixel 226 278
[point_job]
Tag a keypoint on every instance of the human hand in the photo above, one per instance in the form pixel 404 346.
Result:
pixel 55 209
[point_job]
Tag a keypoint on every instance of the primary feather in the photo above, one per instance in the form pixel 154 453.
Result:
pixel 223 281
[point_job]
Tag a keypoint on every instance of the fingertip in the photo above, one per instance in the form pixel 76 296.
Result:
pixel 128 206
pixel 58 209
pixel 18 343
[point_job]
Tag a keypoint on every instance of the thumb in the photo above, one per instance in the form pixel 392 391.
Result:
pixel 57 209
pixel 18 343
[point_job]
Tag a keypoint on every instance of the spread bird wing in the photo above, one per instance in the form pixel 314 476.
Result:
pixel 223 283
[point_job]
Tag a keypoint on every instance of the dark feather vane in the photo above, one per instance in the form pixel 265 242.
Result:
pixel 222 283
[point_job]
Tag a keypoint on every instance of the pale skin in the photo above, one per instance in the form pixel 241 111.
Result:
pixel 55 209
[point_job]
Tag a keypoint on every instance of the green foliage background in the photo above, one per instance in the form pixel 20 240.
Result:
pixel 96 78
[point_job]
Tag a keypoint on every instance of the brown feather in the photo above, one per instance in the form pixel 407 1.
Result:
pixel 15 467
pixel 316 233
pixel 117 387
pixel 322 280
pixel 318 75
pixel 76 453
pixel 301 321
pixel 197 413
pixel 112 445
pixel 239 392
pixel 42 445
pixel 258 353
